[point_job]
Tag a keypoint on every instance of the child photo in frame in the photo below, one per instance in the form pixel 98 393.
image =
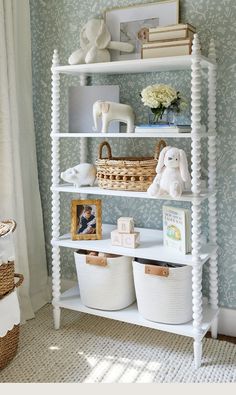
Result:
pixel 86 223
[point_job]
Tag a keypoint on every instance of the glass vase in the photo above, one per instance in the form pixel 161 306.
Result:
pixel 169 118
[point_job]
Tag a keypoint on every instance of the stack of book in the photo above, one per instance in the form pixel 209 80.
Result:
pixel 170 40
pixel 177 229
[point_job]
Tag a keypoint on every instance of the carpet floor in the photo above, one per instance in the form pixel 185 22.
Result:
pixel 90 349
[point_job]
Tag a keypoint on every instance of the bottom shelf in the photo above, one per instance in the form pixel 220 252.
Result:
pixel 71 300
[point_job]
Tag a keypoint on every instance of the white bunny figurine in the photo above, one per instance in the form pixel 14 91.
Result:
pixel 172 174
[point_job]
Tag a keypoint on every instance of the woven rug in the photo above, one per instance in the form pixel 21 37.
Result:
pixel 90 349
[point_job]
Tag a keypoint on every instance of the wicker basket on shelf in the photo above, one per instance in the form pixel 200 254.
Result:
pixel 126 173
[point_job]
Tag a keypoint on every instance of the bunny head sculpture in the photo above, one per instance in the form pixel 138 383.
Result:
pixel 172 174
pixel 95 42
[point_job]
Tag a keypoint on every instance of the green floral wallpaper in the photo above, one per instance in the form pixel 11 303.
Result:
pixel 56 24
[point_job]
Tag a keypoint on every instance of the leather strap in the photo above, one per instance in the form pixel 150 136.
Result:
pixel 96 260
pixel 157 270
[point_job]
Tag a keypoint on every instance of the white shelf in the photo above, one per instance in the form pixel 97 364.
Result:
pixel 186 196
pixel 71 300
pixel 134 66
pixel 151 246
pixel 159 134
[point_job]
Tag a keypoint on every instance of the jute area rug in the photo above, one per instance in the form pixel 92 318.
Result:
pixel 90 349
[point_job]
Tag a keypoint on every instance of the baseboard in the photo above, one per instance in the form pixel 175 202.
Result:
pixel 227 317
pixel 227 322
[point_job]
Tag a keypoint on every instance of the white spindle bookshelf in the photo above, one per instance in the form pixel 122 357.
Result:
pixel 205 317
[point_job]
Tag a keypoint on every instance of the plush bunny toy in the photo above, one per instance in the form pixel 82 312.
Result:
pixel 172 174
pixel 95 42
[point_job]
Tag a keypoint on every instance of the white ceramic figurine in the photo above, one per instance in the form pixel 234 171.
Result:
pixel 111 111
pixel 80 175
pixel 95 42
pixel 172 174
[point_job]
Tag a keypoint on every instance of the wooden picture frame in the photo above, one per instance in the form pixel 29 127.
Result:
pixel 86 219
pixel 125 23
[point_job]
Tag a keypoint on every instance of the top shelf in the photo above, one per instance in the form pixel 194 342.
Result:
pixel 134 66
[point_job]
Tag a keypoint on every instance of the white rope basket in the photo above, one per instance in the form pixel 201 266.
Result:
pixel 105 283
pixel 164 294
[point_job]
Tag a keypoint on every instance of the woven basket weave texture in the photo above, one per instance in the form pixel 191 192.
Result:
pixel 126 173
pixel 8 346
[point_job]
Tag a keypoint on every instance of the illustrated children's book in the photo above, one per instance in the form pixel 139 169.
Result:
pixel 177 228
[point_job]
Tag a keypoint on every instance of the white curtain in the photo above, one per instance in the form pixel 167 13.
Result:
pixel 19 189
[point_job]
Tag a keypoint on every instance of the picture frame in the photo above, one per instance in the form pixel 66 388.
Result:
pixel 86 219
pixel 126 23
pixel 80 106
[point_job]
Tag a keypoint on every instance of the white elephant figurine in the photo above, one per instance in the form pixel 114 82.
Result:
pixel 111 111
pixel 95 42
pixel 80 175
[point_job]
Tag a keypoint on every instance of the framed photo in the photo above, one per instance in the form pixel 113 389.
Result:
pixel 86 220
pixel 128 24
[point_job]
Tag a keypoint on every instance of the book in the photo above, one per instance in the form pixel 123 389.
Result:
pixel 177 229
pixel 169 48
pixel 172 32
pixel 142 128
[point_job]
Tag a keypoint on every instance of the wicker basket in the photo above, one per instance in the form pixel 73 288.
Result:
pixel 126 173
pixel 6 227
pixel 9 342
pixel 8 346
pixel 7 279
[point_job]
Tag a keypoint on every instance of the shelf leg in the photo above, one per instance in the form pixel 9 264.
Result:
pixel 196 77
pixel 197 348
pixel 55 160
pixel 214 328
pixel 56 317
pixel 212 203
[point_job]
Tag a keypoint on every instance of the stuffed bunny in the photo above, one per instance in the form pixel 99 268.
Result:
pixel 95 40
pixel 172 174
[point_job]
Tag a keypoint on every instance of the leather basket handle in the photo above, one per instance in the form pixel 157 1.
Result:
pixel 157 270
pixel 96 260
pixel 103 144
pixel 161 144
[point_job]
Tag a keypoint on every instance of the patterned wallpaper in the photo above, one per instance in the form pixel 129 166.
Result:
pixel 56 24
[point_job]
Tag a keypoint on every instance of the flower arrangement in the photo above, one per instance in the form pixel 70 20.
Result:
pixel 160 98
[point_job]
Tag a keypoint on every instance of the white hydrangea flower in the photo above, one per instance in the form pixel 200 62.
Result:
pixel 155 96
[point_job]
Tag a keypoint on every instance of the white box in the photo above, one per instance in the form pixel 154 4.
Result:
pixel 125 225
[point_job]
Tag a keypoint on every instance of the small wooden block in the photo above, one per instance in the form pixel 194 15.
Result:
pixel 131 240
pixel 116 238
pixel 125 225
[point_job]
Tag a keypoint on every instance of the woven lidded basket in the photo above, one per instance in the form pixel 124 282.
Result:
pixel 126 173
